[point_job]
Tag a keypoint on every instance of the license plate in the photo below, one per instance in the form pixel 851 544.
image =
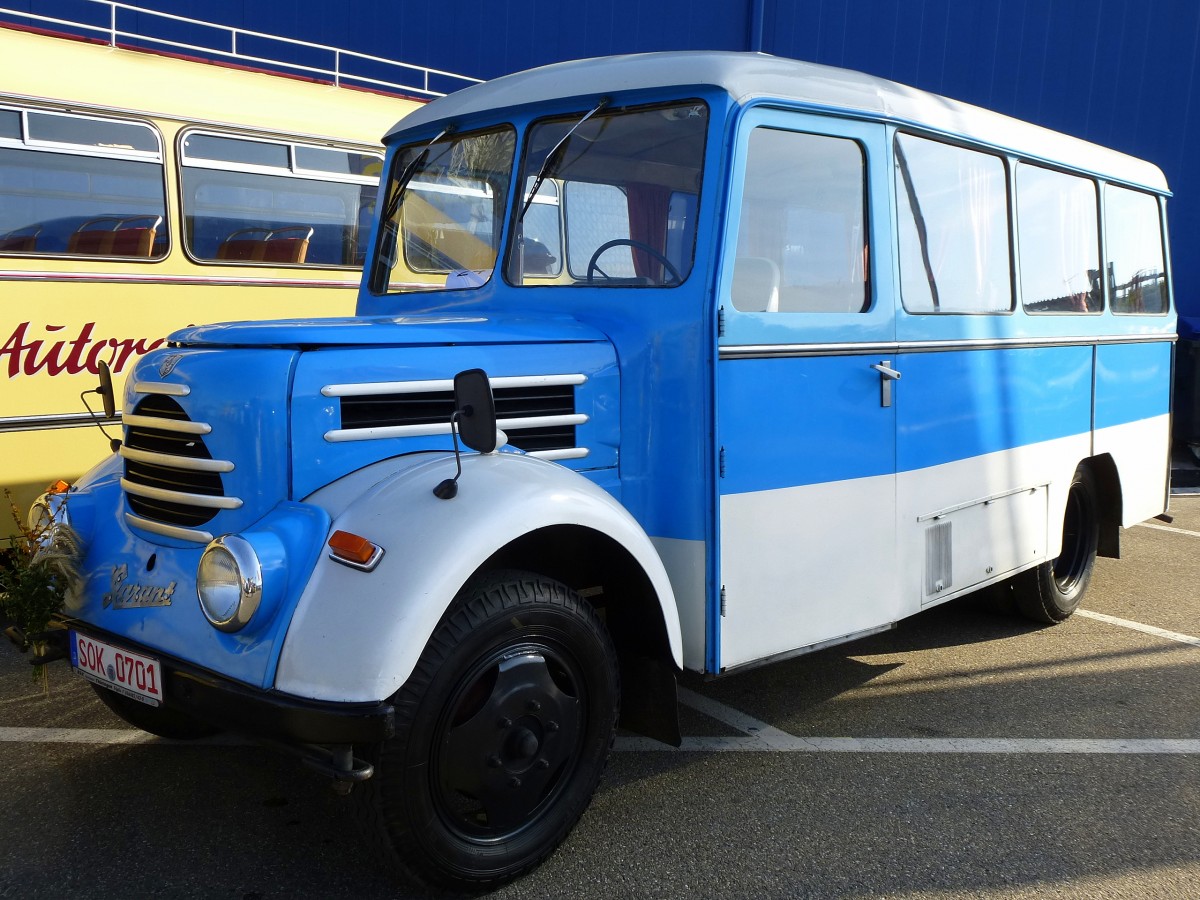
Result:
pixel 136 676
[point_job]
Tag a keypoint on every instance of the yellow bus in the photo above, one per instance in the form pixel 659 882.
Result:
pixel 141 192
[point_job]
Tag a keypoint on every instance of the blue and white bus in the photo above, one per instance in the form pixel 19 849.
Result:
pixel 779 354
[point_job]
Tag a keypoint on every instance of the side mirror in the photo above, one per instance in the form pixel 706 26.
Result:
pixel 476 410
pixel 474 421
pixel 106 391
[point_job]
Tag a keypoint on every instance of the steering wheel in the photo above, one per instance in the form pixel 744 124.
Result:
pixel 593 268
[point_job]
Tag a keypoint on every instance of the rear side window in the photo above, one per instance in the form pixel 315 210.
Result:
pixel 264 202
pixel 953 228
pixel 1137 281
pixel 80 186
pixel 1059 240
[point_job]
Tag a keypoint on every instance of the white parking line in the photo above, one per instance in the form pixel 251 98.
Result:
pixel 757 736
pixel 1138 626
pixel 916 745
pixel 74 736
pixel 1170 528
pixel 106 736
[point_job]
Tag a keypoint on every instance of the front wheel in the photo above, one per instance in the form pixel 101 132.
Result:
pixel 503 731
pixel 1052 591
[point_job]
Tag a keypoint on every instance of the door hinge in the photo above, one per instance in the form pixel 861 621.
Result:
pixel 722 601
pixel 720 321
pixel 721 463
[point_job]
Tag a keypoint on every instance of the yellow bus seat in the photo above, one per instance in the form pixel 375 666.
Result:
pixel 288 245
pixel 20 240
pixel 93 237
pixel 116 236
pixel 134 236
pixel 244 245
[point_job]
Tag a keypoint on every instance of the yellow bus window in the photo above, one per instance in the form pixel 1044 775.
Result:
pixel 80 186
pixel 261 202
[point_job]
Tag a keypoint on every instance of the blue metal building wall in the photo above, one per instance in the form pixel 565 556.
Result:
pixel 1118 72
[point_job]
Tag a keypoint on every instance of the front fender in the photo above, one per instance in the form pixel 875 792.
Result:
pixel 356 636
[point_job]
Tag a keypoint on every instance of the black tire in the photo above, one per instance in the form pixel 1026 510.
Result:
pixel 160 720
pixel 1052 591
pixel 502 734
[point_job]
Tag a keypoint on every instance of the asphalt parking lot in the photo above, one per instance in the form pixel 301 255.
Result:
pixel 964 754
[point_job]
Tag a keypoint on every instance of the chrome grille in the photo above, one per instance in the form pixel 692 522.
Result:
pixel 170 476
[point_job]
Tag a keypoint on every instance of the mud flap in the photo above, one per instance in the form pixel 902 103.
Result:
pixel 649 700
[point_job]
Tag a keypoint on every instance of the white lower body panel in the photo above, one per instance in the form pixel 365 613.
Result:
pixel 801 566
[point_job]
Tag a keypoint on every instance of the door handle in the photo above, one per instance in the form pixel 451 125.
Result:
pixel 886 376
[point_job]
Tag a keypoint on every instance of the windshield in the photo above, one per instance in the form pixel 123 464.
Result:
pixel 624 185
pixel 443 212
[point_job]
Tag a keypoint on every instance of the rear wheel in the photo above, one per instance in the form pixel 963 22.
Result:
pixel 160 720
pixel 503 731
pixel 1052 591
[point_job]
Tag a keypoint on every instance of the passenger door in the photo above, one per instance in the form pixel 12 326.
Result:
pixel 805 391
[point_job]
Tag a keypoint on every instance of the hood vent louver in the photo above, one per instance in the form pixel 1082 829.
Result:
pixel 537 413
pixel 171 479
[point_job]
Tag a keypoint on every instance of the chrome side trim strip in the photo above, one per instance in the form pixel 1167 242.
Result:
pixel 202 500
pixel 136 278
pixel 184 427
pixel 176 462
pixel 1027 489
pixel 47 423
pixel 161 387
pixel 368 566
pixel 565 453
pixel 763 351
pixel 429 429
pixel 172 531
pixel 446 384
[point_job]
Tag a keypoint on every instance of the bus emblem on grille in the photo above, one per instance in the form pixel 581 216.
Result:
pixel 130 595
pixel 167 366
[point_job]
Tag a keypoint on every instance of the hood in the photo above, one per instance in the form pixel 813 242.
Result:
pixel 391 331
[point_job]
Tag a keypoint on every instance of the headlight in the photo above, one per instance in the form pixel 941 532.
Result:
pixel 229 582
pixel 50 509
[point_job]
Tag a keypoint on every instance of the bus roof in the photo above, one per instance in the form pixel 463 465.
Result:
pixel 757 76
pixel 71 72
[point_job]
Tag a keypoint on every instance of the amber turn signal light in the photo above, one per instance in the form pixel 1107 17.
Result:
pixel 354 550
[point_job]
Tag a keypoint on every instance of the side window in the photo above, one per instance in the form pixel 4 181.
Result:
pixel 953 228
pixel 802 237
pixel 596 214
pixel 1137 281
pixel 542 234
pixel 80 186
pixel 1059 241
pixel 264 202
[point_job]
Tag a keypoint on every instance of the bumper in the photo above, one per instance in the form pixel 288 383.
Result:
pixel 262 714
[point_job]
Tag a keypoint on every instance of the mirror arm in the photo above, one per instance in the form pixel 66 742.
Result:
pixel 448 489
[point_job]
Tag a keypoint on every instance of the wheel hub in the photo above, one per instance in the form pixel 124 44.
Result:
pixel 507 751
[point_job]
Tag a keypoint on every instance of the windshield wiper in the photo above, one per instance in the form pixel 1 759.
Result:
pixel 389 230
pixel 552 157
pixel 410 170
